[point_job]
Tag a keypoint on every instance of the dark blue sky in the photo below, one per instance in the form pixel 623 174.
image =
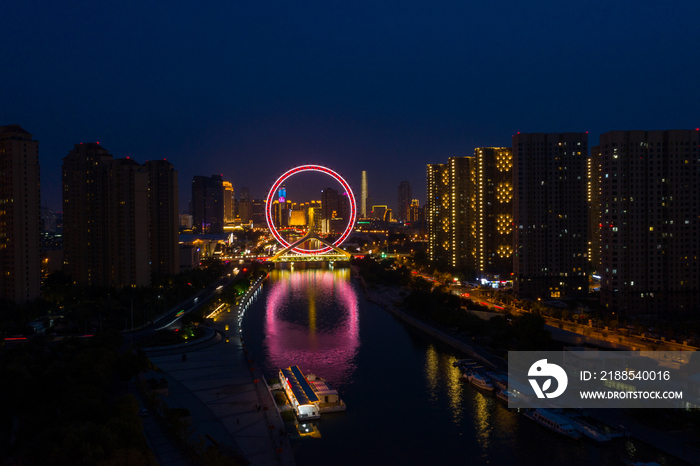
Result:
pixel 250 89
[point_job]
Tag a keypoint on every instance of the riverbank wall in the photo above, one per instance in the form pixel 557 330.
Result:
pixel 472 351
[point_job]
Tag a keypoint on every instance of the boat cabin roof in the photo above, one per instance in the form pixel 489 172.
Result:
pixel 300 387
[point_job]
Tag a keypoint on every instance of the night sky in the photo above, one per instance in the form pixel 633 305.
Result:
pixel 250 89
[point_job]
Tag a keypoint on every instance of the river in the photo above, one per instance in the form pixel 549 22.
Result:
pixel 405 402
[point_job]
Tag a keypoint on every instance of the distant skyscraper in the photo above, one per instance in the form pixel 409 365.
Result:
pixel 329 203
pixel 106 224
pixel 414 212
pixel 648 221
pixel 365 194
pixel 20 271
pixel 245 211
pixel 405 196
pixel 245 194
pixel 163 217
pixel 229 198
pixel 550 214
pixel 48 218
pixel 208 204
pixel 258 213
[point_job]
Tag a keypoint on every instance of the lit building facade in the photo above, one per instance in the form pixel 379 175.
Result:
pixel 20 271
pixel 593 199
pixel 550 215
pixel 229 202
pixel 415 212
pixel 492 201
pixel 461 212
pixel 438 212
pixel 365 195
pixel 649 219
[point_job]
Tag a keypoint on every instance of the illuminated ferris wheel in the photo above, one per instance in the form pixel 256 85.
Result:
pixel 310 168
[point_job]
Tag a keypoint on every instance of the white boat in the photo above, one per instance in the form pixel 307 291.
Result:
pixel 558 424
pixel 506 396
pixel 481 382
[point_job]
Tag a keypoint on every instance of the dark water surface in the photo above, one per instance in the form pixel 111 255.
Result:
pixel 406 404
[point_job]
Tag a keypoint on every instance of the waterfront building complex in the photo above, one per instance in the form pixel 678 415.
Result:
pixel 469 212
pixel 648 218
pixel 20 271
pixel 550 214
pixel 438 212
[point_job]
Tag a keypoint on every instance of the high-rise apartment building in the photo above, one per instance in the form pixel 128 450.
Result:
pixel 365 194
pixel 470 212
pixel 438 212
pixel 163 217
pixel 593 198
pixel 106 218
pixel 649 219
pixel 229 202
pixel 461 212
pixel 208 204
pixel 492 206
pixel 405 196
pixel 20 271
pixel 127 229
pixel 550 214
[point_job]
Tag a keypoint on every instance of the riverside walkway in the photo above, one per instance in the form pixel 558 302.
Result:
pixel 217 385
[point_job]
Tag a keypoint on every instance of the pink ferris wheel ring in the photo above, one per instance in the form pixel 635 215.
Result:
pixel 306 168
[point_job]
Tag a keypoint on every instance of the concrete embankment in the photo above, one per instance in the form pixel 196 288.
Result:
pixel 472 351
pixel 223 389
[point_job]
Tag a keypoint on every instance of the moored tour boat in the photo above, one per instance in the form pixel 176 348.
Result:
pixel 480 382
pixel 506 396
pixel 554 422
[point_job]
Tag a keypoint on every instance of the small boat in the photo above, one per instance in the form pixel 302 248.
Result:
pixel 500 380
pixel 480 382
pixel 554 422
pixel 506 396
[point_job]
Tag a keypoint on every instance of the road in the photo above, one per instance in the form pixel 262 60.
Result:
pixel 587 333
pixel 176 313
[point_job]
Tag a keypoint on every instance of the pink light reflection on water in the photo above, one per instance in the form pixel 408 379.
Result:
pixel 329 352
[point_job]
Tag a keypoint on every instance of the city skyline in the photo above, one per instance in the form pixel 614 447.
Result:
pixel 248 91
